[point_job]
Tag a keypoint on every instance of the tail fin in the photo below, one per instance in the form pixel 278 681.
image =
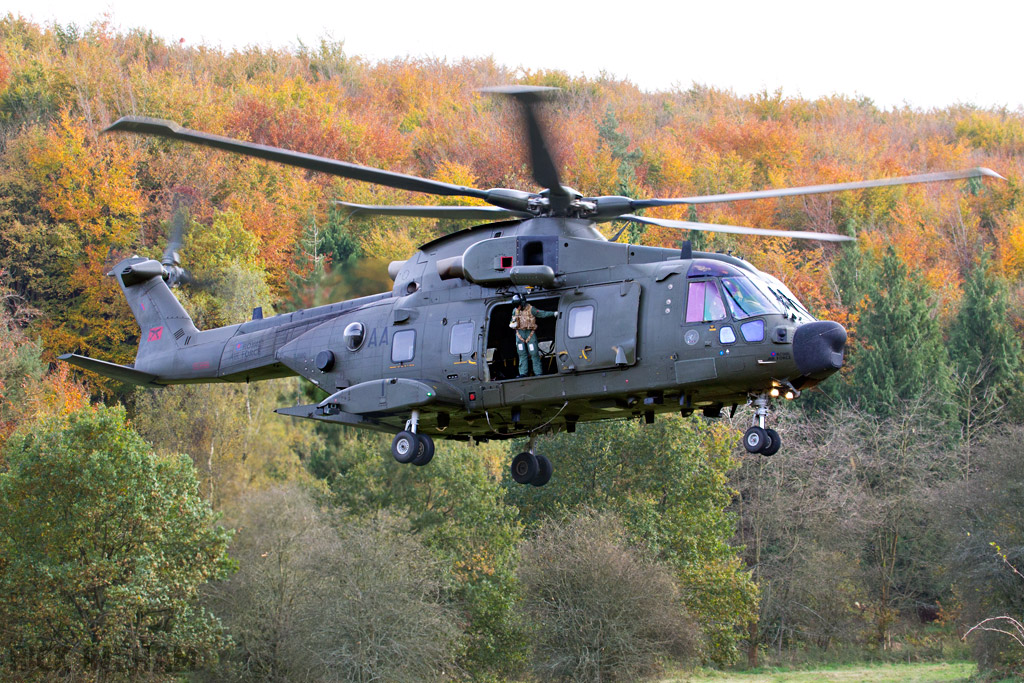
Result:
pixel 164 323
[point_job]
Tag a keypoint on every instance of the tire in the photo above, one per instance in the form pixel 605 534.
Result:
pixel 544 470
pixel 426 451
pixel 754 439
pixel 524 468
pixel 774 442
pixel 405 447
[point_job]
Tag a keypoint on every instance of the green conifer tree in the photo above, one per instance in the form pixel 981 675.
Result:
pixel 898 353
pixel 985 350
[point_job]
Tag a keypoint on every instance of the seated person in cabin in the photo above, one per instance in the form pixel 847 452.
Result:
pixel 524 322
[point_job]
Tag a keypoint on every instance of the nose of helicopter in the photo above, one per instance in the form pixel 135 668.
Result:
pixel 818 348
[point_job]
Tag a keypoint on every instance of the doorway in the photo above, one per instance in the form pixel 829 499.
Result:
pixel 502 357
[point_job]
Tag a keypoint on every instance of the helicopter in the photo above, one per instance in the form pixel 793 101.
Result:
pixel 622 330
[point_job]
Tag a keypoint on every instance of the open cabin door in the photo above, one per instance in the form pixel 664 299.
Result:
pixel 598 328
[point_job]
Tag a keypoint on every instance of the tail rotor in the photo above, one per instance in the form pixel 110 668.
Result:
pixel 175 274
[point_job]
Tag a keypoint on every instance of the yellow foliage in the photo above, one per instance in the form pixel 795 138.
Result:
pixel 992 131
pixel 389 245
pixel 1011 249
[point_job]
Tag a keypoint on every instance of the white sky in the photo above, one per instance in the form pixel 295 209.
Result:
pixel 925 54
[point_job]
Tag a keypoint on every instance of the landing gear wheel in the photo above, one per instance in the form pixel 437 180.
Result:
pixel 524 468
pixel 755 439
pixel 425 452
pixel 405 447
pixel 544 470
pixel 774 442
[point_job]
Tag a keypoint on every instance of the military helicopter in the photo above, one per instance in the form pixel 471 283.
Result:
pixel 637 330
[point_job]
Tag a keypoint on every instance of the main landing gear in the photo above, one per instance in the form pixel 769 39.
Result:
pixel 530 468
pixel 759 439
pixel 409 446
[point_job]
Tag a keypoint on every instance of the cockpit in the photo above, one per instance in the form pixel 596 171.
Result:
pixel 717 290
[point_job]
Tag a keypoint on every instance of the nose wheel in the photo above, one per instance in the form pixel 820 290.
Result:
pixel 761 439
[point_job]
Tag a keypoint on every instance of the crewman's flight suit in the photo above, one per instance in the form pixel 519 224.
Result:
pixel 526 337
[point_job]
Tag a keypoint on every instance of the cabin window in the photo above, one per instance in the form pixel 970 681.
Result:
pixel 403 346
pixel 461 341
pixel 726 335
pixel 581 321
pixel 753 331
pixel 704 302
pixel 354 334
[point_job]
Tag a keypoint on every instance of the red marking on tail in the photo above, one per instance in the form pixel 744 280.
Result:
pixel 155 333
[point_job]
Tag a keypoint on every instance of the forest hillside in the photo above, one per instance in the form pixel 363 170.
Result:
pixel 147 532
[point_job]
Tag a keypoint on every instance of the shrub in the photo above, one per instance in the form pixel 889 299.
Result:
pixel 602 611
pixel 317 600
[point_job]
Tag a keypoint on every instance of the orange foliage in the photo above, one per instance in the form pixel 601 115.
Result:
pixel 58 394
pixel 113 194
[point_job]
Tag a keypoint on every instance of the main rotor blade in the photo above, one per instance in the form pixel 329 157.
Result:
pixel 737 229
pixel 417 211
pixel 819 189
pixel 542 163
pixel 401 181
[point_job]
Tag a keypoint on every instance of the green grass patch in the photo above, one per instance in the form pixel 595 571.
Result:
pixel 928 672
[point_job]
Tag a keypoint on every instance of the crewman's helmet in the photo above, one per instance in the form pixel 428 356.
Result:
pixel 517 299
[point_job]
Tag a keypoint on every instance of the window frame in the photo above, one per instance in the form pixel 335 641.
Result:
pixel 346 337
pixel 571 317
pixel 394 345
pixel 704 318
pixel 469 338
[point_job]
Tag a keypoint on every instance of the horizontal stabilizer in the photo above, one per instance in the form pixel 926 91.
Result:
pixel 314 412
pixel 118 372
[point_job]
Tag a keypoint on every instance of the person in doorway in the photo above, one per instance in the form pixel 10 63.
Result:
pixel 524 322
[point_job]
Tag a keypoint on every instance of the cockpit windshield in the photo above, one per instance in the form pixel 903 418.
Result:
pixel 749 292
pixel 745 299
pixel 785 296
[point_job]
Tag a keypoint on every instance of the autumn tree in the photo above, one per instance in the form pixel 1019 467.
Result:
pixel 20 363
pixel 103 549
pixel 236 442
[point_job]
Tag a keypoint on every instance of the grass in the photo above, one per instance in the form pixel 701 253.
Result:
pixel 932 672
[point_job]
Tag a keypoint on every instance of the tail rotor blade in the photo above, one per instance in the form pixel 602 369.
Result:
pixel 170 257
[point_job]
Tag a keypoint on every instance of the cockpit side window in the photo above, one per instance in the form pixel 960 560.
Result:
pixel 704 302
pixel 745 299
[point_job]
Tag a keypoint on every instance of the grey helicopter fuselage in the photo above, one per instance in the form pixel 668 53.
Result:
pixel 641 331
